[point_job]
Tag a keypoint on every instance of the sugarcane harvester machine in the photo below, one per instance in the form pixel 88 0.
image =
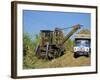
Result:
pixel 52 43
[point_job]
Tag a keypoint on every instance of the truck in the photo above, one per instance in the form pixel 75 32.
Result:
pixel 82 45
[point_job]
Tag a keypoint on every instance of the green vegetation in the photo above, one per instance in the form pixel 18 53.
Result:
pixel 69 45
pixel 28 50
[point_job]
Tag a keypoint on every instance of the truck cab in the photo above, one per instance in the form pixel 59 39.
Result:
pixel 82 45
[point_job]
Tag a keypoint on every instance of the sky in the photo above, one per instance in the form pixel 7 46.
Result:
pixel 34 21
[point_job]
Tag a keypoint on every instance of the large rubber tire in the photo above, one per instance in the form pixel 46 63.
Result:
pixel 61 53
pixel 87 55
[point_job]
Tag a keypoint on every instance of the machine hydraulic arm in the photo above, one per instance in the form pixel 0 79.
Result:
pixel 74 29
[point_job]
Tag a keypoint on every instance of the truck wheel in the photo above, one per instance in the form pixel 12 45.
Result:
pixel 87 55
pixel 76 55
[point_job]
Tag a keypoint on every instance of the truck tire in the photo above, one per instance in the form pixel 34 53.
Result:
pixel 87 55
pixel 76 55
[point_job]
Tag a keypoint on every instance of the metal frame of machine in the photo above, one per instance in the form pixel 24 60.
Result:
pixel 52 42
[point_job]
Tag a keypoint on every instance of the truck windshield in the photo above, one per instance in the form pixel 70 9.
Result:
pixel 82 43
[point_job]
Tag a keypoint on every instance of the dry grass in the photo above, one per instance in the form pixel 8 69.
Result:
pixel 66 60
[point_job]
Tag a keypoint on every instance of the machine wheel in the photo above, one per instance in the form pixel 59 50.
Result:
pixel 61 52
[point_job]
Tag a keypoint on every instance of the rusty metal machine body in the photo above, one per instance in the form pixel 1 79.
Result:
pixel 52 43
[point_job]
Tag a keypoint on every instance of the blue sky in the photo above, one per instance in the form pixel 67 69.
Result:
pixel 34 21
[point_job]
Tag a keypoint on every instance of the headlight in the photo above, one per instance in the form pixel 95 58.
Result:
pixel 75 49
pixel 87 49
